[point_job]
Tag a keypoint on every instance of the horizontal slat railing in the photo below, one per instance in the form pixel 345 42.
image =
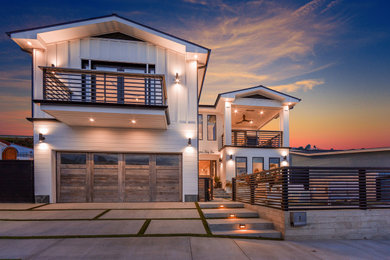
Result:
pixel 305 188
pixel 253 138
pixel 92 86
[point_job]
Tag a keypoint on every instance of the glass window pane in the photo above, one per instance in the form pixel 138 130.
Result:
pixel 105 159
pixel 167 160
pixel 136 159
pixel 73 158
pixel 274 163
pixel 200 127
pixel 257 164
pixel 241 167
pixel 211 127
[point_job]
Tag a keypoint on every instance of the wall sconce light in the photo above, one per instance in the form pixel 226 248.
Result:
pixel 189 143
pixel 231 157
pixel 41 138
pixel 177 80
pixel 220 160
pixel 242 226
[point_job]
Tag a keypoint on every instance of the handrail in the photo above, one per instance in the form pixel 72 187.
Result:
pixel 313 188
pixel 97 86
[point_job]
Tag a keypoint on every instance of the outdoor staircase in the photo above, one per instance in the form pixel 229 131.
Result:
pixel 226 217
pixel 220 193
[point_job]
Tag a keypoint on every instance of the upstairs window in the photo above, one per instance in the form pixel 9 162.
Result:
pixel 200 127
pixel 211 127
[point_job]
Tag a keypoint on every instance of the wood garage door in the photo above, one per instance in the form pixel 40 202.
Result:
pixel 112 177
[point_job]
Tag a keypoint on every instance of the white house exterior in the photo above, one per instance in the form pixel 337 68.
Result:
pixel 115 103
pixel 251 131
pixel 116 115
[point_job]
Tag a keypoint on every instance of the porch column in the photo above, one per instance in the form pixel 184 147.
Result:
pixel 228 123
pixel 285 126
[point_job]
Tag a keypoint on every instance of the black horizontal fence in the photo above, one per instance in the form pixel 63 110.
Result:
pixel 305 188
pixel 91 86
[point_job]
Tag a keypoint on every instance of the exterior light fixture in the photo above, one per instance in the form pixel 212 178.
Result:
pixel 177 80
pixel 221 206
pixel 251 122
pixel 231 157
pixel 242 226
pixel 133 121
pixel 41 138
pixel 136 99
pixel 232 215
pixel 284 163
pixel 189 143
pixel 29 43
pixel 220 160
pixel 196 56
pixel 91 120
pixel 261 112
pixel 235 110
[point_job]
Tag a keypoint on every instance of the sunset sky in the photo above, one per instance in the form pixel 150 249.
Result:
pixel 334 54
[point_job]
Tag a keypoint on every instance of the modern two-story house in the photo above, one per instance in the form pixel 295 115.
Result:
pixel 116 115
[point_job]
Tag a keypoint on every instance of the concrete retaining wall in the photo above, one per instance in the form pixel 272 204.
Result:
pixel 331 224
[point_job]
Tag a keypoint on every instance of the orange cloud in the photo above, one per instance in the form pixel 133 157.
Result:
pixel 305 85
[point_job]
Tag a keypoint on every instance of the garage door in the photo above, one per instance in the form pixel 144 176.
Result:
pixel 112 177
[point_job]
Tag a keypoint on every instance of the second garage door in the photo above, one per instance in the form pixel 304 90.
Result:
pixel 112 177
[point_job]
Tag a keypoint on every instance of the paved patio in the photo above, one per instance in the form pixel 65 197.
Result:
pixel 147 231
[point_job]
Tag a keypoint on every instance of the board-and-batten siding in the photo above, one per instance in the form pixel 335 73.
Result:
pixel 182 104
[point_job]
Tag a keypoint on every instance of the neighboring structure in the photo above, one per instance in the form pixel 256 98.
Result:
pixel 116 116
pixel 245 131
pixel 114 111
pixel 10 151
pixel 370 157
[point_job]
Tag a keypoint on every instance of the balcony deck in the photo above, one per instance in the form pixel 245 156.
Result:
pixel 254 139
pixel 112 99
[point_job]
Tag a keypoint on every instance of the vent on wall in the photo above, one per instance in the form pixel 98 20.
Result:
pixel 118 36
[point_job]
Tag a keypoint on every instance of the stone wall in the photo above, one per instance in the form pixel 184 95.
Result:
pixel 331 224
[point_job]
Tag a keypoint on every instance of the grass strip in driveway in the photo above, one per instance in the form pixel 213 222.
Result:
pixel 144 227
pixel 204 221
pixel 101 214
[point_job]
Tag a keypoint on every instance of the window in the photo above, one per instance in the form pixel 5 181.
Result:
pixel 211 127
pixel 136 159
pixel 73 158
pixel 241 167
pixel 200 127
pixel 274 163
pixel 167 160
pixel 257 164
pixel 105 159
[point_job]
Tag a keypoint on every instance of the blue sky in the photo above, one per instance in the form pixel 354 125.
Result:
pixel 334 54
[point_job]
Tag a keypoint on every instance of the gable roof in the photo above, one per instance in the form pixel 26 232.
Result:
pixel 247 92
pixel 93 23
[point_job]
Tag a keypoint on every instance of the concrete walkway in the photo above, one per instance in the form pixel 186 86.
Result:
pixel 147 231
pixel 183 248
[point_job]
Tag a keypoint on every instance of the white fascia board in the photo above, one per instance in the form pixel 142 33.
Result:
pixel 257 102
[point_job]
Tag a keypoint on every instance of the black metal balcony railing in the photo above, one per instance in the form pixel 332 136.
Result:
pixel 305 188
pixel 253 138
pixel 91 86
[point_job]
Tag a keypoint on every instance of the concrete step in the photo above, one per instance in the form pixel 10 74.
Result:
pixel 233 224
pixel 250 233
pixel 217 205
pixel 224 213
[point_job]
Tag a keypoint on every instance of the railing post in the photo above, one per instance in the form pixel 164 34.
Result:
pixel 284 202
pixel 234 191
pixel 362 189
pixel 252 186
pixel 206 190
pixel 44 84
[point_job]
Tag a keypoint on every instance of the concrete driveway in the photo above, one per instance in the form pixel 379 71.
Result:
pixel 147 231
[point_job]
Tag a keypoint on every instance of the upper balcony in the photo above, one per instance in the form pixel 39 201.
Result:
pixel 255 139
pixel 80 97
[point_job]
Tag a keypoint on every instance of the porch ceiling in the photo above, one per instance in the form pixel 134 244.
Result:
pixel 257 116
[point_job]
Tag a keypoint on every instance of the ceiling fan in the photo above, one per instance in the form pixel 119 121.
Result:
pixel 244 120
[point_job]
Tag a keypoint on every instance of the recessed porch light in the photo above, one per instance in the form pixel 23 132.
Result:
pixel 232 215
pixel 133 121
pixel 251 122
pixel 196 56
pixel 242 226
pixel 91 120
pixel 235 110
pixel 261 112
pixel 29 43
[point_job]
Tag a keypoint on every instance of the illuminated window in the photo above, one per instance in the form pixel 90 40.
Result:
pixel 274 163
pixel 200 127
pixel 257 164
pixel 211 127
pixel 241 165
